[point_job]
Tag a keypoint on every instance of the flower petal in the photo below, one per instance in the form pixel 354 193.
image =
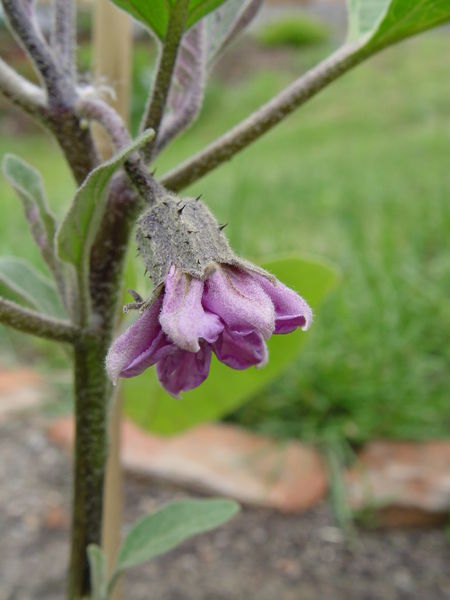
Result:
pixel 135 340
pixel 183 317
pixel 240 301
pixel 241 351
pixel 158 349
pixel 291 310
pixel 184 370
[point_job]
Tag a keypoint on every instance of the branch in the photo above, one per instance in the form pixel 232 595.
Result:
pixel 111 121
pixel 22 24
pixel 34 323
pixel 258 123
pixel 157 101
pixel 63 35
pixel 100 111
pixel 60 118
pixel 21 92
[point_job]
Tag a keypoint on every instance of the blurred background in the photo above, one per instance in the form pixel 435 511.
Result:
pixel 358 177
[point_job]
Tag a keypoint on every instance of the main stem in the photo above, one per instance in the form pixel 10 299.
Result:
pixel 92 392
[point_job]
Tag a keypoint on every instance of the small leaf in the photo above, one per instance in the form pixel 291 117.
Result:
pixel 187 87
pixel 225 389
pixel 385 22
pixel 78 229
pixel 97 564
pixel 21 282
pixel 155 13
pixel 171 525
pixel 225 24
pixel 27 183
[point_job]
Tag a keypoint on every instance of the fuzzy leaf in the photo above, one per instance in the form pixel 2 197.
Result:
pixel 226 23
pixel 385 22
pixel 97 564
pixel 171 525
pixel 22 283
pixel 187 87
pixel 155 13
pixel 153 409
pixel 78 229
pixel 27 183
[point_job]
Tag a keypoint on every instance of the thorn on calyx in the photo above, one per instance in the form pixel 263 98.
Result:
pixel 180 210
pixel 222 227
pixel 136 297
pixel 198 198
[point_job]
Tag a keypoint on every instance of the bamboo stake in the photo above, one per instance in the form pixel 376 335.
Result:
pixel 112 59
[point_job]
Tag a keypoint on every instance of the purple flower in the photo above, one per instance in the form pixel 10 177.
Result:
pixel 231 313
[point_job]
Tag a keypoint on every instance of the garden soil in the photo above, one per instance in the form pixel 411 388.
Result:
pixel 259 555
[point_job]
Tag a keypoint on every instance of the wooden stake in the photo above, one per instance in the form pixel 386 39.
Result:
pixel 112 66
pixel 113 44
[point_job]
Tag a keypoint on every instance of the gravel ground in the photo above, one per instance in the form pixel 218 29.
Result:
pixel 260 554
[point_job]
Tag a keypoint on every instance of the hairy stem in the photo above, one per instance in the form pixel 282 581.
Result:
pixel 75 141
pixel 34 323
pixel 63 35
pixel 98 110
pixel 92 392
pixel 23 26
pixel 157 101
pixel 21 92
pixel 105 115
pixel 261 121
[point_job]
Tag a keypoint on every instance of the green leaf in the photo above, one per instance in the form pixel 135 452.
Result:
pixel 78 229
pixel 22 283
pixel 171 525
pixel 97 564
pixel 200 8
pixel 225 389
pixel 155 13
pixel 385 22
pixel 28 185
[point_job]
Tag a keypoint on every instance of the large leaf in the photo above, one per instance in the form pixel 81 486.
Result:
pixel 77 231
pixel 385 22
pixel 225 389
pixel 27 183
pixel 22 283
pixel 155 13
pixel 171 525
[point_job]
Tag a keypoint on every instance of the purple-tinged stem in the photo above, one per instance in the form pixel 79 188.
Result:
pixel 64 35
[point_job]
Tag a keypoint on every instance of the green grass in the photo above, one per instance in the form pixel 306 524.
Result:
pixel 292 31
pixel 359 176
